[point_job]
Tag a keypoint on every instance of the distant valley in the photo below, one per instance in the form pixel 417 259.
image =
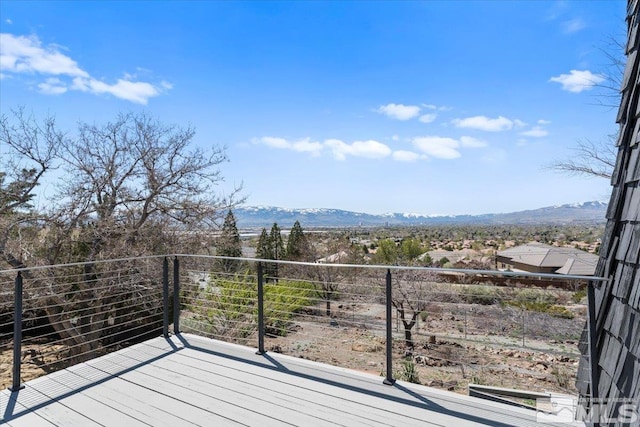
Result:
pixel 265 216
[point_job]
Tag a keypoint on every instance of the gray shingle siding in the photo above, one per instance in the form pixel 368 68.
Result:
pixel 618 301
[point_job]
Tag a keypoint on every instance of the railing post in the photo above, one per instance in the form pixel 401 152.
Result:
pixel 593 342
pixel 260 310
pixel 17 332
pixel 165 297
pixel 389 378
pixel 176 296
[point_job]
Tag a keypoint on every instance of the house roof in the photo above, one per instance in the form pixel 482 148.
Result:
pixel 577 267
pixel 333 258
pixel 566 260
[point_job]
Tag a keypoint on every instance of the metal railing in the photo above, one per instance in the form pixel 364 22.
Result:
pixel 391 320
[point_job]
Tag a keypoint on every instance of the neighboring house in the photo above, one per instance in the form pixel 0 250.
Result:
pixel 334 258
pixel 452 256
pixel 540 258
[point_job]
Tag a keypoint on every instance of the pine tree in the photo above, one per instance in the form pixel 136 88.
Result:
pixel 270 246
pixel 277 249
pixel 297 245
pixel 277 245
pixel 263 249
pixel 229 244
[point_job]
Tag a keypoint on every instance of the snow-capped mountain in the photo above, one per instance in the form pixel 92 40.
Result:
pixel 265 216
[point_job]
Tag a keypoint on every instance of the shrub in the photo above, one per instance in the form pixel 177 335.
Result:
pixel 282 300
pixel 529 295
pixel 227 307
pixel 578 296
pixel 485 295
pixel 409 372
pixel 560 311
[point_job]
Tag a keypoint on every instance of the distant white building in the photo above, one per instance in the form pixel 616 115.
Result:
pixel 333 258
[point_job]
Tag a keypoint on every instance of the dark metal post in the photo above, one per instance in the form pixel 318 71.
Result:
pixel 165 297
pixel 260 310
pixel 176 296
pixel 17 332
pixel 389 379
pixel 593 342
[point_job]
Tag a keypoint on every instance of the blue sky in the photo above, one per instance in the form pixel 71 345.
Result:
pixel 435 107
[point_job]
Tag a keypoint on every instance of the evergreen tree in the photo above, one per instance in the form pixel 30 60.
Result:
pixel 229 244
pixel 277 245
pixel 263 249
pixel 297 245
pixel 277 250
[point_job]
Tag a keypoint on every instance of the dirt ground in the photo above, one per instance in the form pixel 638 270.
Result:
pixel 38 358
pixel 440 359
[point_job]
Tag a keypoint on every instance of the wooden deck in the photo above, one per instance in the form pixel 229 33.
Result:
pixel 189 380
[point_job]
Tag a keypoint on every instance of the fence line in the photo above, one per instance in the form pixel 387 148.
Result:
pixel 81 310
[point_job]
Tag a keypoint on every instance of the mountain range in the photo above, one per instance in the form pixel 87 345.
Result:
pixel 265 216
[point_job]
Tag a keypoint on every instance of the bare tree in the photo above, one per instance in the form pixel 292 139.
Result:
pixel 410 297
pixel 598 159
pixel 590 159
pixel 608 91
pixel 134 186
pixel 29 151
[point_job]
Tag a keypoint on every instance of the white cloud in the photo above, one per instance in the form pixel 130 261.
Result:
pixel 304 145
pixel 8 21
pixel 519 123
pixel 406 156
pixel 428 118
pixel 544 122
pixel 437 146
pixel 535 132
pixel 22 54
pixel 485 123
pixel 307 146
pixel 399 111
pixel 470 142
pixel 52 86
pixel 577 81
pixel 395 138
pixel 341 150
pixel 27 55
pixel 573 25
pixel 427 146
pixel 369 149
pixel 138 92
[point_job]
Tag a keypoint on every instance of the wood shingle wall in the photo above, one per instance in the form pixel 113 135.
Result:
pixel 618 300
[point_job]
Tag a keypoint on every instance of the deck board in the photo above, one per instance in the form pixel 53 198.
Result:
pixel 190 380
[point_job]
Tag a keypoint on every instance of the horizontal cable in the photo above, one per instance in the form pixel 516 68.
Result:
pixel 100 338
pixel 111 304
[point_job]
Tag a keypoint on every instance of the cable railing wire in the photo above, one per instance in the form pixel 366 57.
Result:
pixel 306 303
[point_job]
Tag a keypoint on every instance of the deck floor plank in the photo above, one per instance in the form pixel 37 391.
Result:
pixel 278 395
pixel 191 380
